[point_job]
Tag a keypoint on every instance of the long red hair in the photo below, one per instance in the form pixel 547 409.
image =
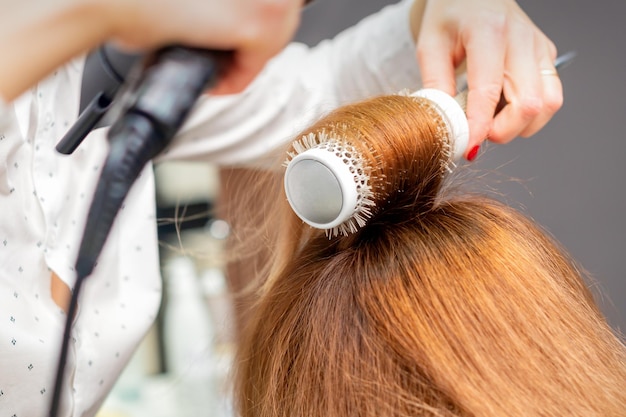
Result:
pixel 442 305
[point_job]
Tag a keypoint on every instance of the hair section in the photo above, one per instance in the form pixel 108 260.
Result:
pixel 438 306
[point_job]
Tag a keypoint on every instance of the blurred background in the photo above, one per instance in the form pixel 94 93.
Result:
pixel 569 178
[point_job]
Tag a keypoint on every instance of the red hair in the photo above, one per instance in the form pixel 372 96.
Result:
pixel 442 305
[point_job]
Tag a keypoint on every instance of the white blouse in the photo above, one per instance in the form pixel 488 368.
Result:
pixel 45 196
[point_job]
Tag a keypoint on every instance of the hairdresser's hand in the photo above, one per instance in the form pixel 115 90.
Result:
pixel 504 52
pixel 255 29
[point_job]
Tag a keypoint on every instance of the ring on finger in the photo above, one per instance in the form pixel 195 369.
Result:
pixel 548 71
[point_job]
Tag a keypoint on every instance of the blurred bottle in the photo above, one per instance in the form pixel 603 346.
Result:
pixel 220 303
pixel 189 336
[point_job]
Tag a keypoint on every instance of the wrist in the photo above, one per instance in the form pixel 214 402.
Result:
pixel 120 17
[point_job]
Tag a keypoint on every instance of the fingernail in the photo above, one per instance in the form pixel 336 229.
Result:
pixel 473 153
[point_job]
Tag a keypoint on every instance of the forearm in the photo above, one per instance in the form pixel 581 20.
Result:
pixel 40 35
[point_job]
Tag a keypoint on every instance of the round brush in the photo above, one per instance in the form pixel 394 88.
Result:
pixel 326 181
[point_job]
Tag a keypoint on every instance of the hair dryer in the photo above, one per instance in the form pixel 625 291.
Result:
pixel 163 91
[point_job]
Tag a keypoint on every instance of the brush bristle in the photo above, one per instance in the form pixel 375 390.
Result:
pixel 360 172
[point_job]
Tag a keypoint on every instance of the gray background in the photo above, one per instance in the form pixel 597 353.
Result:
pixel 570 176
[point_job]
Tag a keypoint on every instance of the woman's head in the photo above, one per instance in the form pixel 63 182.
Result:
pixel 440 305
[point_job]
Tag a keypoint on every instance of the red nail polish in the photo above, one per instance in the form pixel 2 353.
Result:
pixel 473 153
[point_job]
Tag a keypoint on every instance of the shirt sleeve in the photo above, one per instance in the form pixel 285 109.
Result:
pixel 376 56
pixel 5 115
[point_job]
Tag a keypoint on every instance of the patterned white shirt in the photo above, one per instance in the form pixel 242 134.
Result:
pixel 45 196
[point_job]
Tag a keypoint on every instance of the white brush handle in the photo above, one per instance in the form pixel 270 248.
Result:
pixel 453 114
